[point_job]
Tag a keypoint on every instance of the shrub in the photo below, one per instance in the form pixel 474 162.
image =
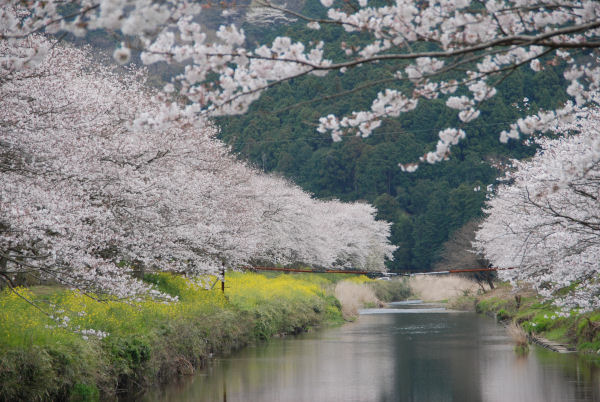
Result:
pixel 392 290
pixel 503 315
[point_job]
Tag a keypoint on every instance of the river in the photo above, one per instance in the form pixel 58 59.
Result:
pixel 407 352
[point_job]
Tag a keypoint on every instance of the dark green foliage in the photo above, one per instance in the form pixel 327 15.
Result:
pixel 84 392
pixel 131 352
pixel 391 291
pixel 54 372
pixel 503 315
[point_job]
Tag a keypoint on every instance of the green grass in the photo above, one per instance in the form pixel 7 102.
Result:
pixel 146 341
pixel 541 317
pixel 558 334
pixel 496 304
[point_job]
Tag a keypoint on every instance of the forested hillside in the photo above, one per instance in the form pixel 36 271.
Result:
pixel 279 134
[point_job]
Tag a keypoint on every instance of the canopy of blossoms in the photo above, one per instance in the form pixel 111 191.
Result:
pixel 546 220
pixel 86 194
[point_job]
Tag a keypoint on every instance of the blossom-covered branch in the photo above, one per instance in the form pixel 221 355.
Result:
pixel 226 75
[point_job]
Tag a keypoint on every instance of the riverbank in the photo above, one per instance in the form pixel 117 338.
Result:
pixel 92 350
pixel 543 322
pixel 413 351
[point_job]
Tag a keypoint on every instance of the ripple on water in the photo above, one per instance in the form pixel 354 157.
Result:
pixel 404 310
pixel 432 328
pixel 406 302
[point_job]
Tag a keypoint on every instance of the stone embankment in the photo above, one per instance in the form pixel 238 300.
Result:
pixel 551 345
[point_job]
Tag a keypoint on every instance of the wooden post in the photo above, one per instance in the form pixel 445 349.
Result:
pixel 223 277
pixel 3 264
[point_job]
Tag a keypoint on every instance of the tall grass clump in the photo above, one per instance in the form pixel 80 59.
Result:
pixel 519 337
pixel 353 296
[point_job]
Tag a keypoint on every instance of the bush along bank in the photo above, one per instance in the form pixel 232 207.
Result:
pixel 544 322
pixel 91 350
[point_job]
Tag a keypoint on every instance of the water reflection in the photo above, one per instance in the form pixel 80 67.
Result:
pixel 433 355
pixel 545 377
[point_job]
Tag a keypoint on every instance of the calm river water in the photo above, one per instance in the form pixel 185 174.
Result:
pixel 408 352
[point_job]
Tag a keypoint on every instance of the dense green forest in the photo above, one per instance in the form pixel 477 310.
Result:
pixel 278 135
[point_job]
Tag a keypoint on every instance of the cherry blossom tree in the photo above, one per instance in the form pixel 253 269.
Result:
pixel 85 190
pixel 81 191
pixel 479 43
pixel 292 227
pixel 545 221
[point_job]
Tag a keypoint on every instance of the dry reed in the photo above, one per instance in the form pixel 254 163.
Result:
pixel 517 333
pixel 437 288
pixel 354 296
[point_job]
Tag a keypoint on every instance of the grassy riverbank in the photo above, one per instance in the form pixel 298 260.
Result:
pixel 538 317
pixel 93 349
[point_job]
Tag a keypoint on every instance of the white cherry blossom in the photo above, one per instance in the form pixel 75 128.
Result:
pixel 225 75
